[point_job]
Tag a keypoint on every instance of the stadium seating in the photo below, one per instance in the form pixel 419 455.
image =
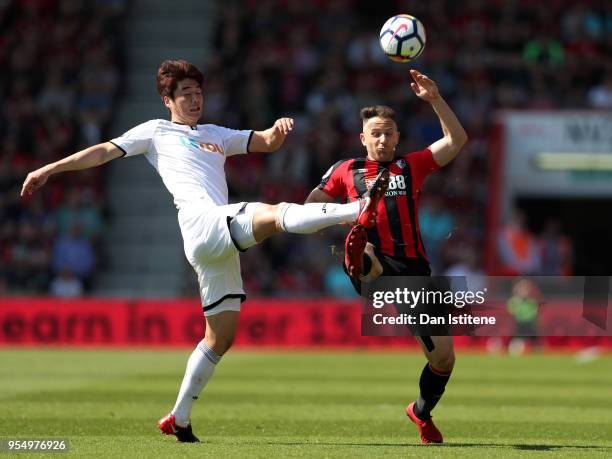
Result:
pixel 316 61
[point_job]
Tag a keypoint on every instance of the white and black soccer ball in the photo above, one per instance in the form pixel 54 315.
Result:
pixel 402 38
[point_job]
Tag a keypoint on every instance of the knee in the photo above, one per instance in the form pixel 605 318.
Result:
pixel 267 220
pixel 444 362
pixel 270 211
pixel 220 344
pixel 277 213
pixel 279 206
pixel 225 345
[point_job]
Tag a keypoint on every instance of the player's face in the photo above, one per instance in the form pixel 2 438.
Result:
pixel 380 137
pixel 188 102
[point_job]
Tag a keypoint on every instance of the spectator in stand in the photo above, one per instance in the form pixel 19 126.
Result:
pixel 79 207
pixel 544 51
pixel 501 66
pixel 73 252
pixel 61 62
pixel 518 248
pixel 66 285
pixel 320 61
pixel 556 251
pixel 600 96
pixel 337 284
pixel 436 223
pixel 467 265
pixel 56 96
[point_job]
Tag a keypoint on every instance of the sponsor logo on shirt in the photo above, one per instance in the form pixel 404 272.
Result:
pixel 204 146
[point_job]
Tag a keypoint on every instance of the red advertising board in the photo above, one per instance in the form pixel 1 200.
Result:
pixel 179 322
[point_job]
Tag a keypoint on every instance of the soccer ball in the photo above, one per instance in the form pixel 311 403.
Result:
pixel 402 38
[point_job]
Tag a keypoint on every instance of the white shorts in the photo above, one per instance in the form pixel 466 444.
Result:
pixel 213 251
pixel 228 304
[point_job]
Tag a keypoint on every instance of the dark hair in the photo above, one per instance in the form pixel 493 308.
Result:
pixel 377 110
pixel 170 72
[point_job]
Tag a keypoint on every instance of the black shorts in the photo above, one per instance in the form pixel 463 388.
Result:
pixel 396 266
pixel 416 275
pixel 399 266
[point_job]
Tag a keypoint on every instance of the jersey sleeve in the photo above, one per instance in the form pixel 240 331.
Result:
pixel 332 182
pixel 235 142
pixel 137 140
pixel 422 164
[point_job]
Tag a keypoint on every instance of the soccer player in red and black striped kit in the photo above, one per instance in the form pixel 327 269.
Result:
pixel 394 247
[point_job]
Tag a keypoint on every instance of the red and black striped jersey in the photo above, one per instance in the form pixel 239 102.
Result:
pixel 397 231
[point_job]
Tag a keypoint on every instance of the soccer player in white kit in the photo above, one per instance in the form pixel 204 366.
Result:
pixel 190 159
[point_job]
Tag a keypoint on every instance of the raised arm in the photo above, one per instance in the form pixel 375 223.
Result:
pixel 84 159
pixel 271 139
pixel 455 137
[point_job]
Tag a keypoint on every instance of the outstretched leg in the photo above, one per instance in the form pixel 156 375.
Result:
pixel 264 220
pixel 301 218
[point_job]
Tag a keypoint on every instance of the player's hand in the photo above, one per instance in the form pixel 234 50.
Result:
pixel 423 87
pixel 284 125
pixel 34 181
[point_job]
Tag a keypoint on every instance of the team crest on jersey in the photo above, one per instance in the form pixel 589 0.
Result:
pixel 400 163
pixel 204 146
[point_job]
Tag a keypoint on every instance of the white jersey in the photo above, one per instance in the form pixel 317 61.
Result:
pixel 191 164
pixel 189 161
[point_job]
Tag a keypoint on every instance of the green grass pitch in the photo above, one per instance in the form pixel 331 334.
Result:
pixel 307 404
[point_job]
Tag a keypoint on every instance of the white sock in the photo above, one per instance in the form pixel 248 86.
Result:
pixel 312 217
pixel 200 368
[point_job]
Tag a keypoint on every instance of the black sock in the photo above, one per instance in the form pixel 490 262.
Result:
pixel 432 384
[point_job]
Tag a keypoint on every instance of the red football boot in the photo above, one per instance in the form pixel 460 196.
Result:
pixel 369 203
pixel 354 243
pixel 427 429
pixel 168 426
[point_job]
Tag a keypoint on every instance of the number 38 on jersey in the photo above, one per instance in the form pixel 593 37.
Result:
pixel 397 182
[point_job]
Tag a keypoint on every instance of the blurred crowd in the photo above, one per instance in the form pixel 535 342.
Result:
pixel 522 252
pixel 318 61
pixel 62 66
